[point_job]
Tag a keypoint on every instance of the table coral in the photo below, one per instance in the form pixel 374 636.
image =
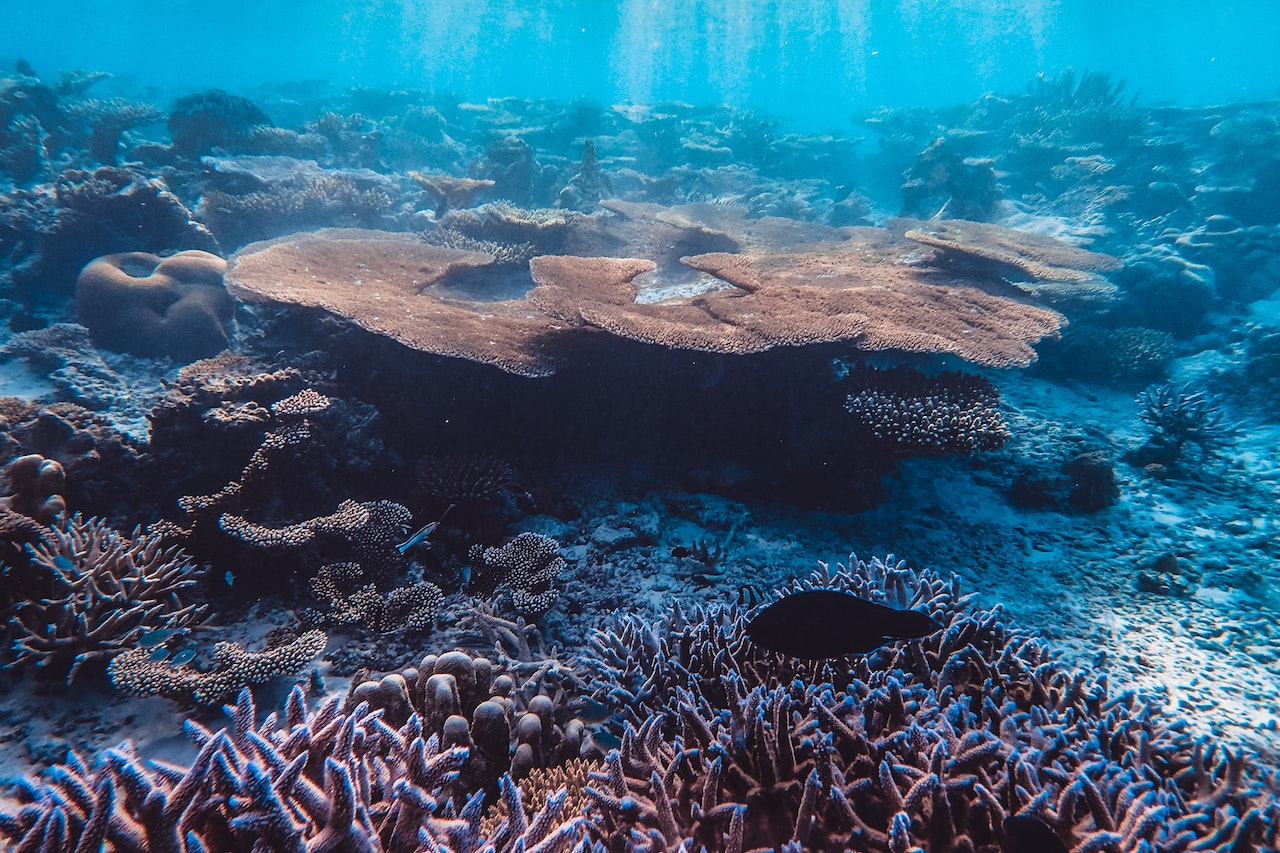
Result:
pixel 176 307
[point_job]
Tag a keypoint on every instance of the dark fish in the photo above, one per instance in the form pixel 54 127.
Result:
pixel 604 740
pixel 594 713
pixel 680 552
pixel 184 656
pixel 749 596
pixel 1026 834
pixel 159 653
pixel 824 623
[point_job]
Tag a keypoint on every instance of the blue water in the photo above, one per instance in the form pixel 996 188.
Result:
pixel 815 63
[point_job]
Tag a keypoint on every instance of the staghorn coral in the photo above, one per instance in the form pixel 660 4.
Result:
pixel 1175 416
pixel 526 566
pixel 321 781
pixel 89 592
pixel 910 412
pixel 150 306
pixel 926 745
pixel 231 670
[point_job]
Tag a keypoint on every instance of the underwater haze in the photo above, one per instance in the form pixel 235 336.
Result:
pixel 724 426
pixel 811 62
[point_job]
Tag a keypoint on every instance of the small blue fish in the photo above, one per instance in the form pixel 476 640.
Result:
pixel 156 636
pixel 229 578
pixel 64 563
pixel 159 653
pixel 594 713
pixel 423 532
pixel 605 740
pixel 184 656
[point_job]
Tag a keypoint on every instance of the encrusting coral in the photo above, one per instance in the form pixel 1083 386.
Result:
pixel 151 306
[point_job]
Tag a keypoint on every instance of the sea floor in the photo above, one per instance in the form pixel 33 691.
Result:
pixel 1209 655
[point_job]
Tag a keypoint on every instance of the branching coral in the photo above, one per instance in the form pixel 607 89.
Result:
pixel 350 602
pixel 232 669
pixel 322 781
pixel 925 745
pixel 526 565
pixel 1176 416
pixel 910 412
pixel 90 593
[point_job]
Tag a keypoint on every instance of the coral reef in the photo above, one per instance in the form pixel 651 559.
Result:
pixel 325 781
pixel 176 307
pixel 213 119
pixel 927 745
pixel 88 592
pixel 142 672
pixel 33 487
pixel 525 566
pixel 909 412
pixel 86 215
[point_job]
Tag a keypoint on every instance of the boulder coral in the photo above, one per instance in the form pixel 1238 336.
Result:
pixel 174 307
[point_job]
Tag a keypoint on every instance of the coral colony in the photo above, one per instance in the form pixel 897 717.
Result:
pixel 336 412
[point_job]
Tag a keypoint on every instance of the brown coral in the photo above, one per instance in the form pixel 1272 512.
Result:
pixel 846 291
pixel 1041 257
pixel 392 284
pixel 151 306
pixel 34 488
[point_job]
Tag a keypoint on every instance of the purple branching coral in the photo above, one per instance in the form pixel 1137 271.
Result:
pixel 88 592
pixel 926 745
pixel 324 781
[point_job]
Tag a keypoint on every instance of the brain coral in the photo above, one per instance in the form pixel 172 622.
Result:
pixel 176 307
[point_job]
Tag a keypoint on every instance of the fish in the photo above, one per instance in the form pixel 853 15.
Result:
pixel 594 713
pixel 1027 834
pixel 422 533
pixel 749 596
pixel 604 740
pixel 229 578
pixel 185 656
pixel 158 654
pixel 64 563
pixel 680 552
pixel 825 623
pixel 156 636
